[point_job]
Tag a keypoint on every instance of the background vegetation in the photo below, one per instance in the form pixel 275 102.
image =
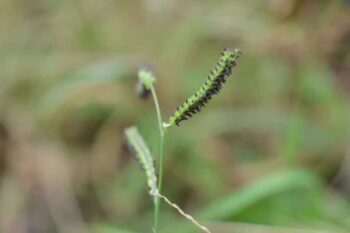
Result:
pixel 269 154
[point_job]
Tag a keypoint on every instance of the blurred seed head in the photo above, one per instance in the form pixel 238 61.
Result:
pixel 146 79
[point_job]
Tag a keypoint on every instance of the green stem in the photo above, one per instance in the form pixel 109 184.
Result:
pixel 161 149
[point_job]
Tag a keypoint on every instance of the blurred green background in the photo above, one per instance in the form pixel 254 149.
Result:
pixel 271 153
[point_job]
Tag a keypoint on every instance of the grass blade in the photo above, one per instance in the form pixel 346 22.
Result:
pixel 272 184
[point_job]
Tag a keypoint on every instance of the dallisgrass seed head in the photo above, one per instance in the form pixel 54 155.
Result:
pixel 211 87
pixel 139 149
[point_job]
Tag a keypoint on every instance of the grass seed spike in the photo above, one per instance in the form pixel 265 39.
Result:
pixel 211 87
pixel 139 149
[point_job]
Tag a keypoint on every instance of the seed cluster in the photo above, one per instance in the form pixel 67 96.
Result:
pixel 139 149
pixel 211 87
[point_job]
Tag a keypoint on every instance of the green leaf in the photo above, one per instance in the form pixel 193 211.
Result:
pixel 251 194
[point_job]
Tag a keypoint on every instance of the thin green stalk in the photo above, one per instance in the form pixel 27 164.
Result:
pixel 161 149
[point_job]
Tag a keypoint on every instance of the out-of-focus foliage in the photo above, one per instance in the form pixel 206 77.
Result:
pixel 272 149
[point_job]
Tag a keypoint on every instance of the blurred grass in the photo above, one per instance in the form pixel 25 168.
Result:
pixel 271 149
pixel 270 185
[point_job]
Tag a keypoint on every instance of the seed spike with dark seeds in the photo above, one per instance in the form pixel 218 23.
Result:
pixel 143 155
pixel 211 87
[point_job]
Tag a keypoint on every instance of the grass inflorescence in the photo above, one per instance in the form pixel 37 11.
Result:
pixel 211 87
pixel 191 106
pixel 146 79
pixel 140 150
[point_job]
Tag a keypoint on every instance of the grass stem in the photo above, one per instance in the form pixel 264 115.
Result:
pixel 161 158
